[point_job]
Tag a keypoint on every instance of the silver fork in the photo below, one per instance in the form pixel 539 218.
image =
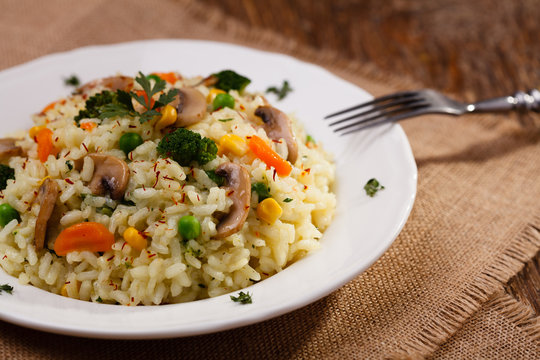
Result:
pixel 407 104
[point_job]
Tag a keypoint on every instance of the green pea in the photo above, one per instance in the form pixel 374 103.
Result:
pixel 129 141
pixel 189 227
pixel 7 213
pixel 222 101
pixel 153 77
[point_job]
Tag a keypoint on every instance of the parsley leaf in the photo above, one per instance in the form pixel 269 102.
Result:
pixel 280 92
pixel 287 200
pixel 7 288
pixel 225 120
pixel 73 80
pixel 372 186
pixel 149 91
pixel 218 179
pixel 244 298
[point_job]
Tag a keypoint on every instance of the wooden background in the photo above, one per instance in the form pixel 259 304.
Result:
pixel 472 48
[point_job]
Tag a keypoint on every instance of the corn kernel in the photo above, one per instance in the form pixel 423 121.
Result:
pixel 35 129
pixel 232 143
pixel 168 117
pixel 134 239
pixel 269 210
pixel 212 94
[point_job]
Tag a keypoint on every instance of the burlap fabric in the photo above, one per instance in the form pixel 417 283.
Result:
pixel 436 291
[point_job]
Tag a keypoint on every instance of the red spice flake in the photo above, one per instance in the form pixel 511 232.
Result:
pixel 183 198
pixel 174 200
pixel 166 177
pixel 62 102
pixel 35 193
pixel 131 155
pixel 68 180
pixel 257 234
pixel 132 299
pixel 198 198
pixel 118 122
pixel 182 188
pixel 65 156
pixel 167 161
pixel 144 234
pixel 67 282
pixel 242 107
pixel 248 137
pixel 276 141
pixel 85 148
pixel 274 175
pixel 26 202
pixel 307 170
pixel 56 139
pixel 5 257
pixel 161 211
pixel 109 259
pixel 124 244
pixel 144 189
pixel 151 255
pixel 132 126
pixel 1 196
pixel 230 192
pixel 157 179
pixel 133 171
pixel 24 165
pixel 155 166
pixel 246 207
pixel 305 187
pixel 85 96
pixel 265 274
pixel 148 132
pixel 161 221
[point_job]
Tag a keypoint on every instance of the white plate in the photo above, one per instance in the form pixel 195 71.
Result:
pixel 362 230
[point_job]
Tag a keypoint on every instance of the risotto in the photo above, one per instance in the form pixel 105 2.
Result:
pixel 160 189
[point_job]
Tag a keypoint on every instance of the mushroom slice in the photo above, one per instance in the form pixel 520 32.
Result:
pixel 47 195
pixel 190 105
pixel 8 148
pixel 278 126
pixel 239 190
pixel 112 83
pixel 111 176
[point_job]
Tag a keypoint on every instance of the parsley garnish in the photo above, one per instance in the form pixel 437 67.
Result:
pixel 107 104
pixel 73 80
pixel 244 298
pixel 281 93
pixel 7 288
pixel 310 139
pixel 99 299
pixel 218 179
pixel 225 120
pixel 372 186
pixel 69 165
pixel 287 200
pixel 262 190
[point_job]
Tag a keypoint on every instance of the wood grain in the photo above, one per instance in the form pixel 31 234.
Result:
pixel 477 49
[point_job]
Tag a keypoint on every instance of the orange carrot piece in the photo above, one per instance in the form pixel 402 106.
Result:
pixel 45 144
pixel 89 126
pixel 49 107
pixel 86 236
pixel 264 152
pixel 143 94
pixel 169 77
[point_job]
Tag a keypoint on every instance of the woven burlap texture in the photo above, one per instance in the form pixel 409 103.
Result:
pixel 475 220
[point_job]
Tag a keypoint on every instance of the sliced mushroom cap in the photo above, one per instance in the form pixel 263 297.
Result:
pixel 190 105
pixel 239 190
pixel 112 83
pixel 9 149
pixel 47 195
pixel 111 176
pixel 278 126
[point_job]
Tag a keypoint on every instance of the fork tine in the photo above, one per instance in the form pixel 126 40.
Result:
pixel 374 101
pixel 387 116
pixel 399 101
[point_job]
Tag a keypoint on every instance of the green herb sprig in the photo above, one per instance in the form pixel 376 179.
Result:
pixel 280 92
pixel 73 80
pixel 6 288
pixel 372 187
pixel 243 298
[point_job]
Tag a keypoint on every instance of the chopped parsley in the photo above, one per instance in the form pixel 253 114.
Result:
pixel 69 165
pixel 225 120
pixel 218 179
pixel 287 200
pixel 6 173
pixel 310 139
pixel 99 299
pixel 244 298
pixel 280 92
pixel 128 265
pixel 7 288
pixel 262 190
pixel 372 186
pixel 230 80
pixel 73 80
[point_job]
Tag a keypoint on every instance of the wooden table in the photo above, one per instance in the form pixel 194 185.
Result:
pixel 475 49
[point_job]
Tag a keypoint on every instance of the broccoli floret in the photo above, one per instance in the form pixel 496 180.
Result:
pixel 230 80
pixel 185 146
pixel 6 173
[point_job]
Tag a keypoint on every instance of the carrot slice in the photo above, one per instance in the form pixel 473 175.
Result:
pixel 143 94
pixel 89 126
pixel 264 152
pixel 169 77
pixel 45 144
pixel 86 236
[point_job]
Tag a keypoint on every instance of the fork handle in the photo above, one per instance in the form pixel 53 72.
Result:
pixel 520 101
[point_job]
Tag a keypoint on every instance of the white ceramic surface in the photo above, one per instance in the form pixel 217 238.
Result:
pixel 363 228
